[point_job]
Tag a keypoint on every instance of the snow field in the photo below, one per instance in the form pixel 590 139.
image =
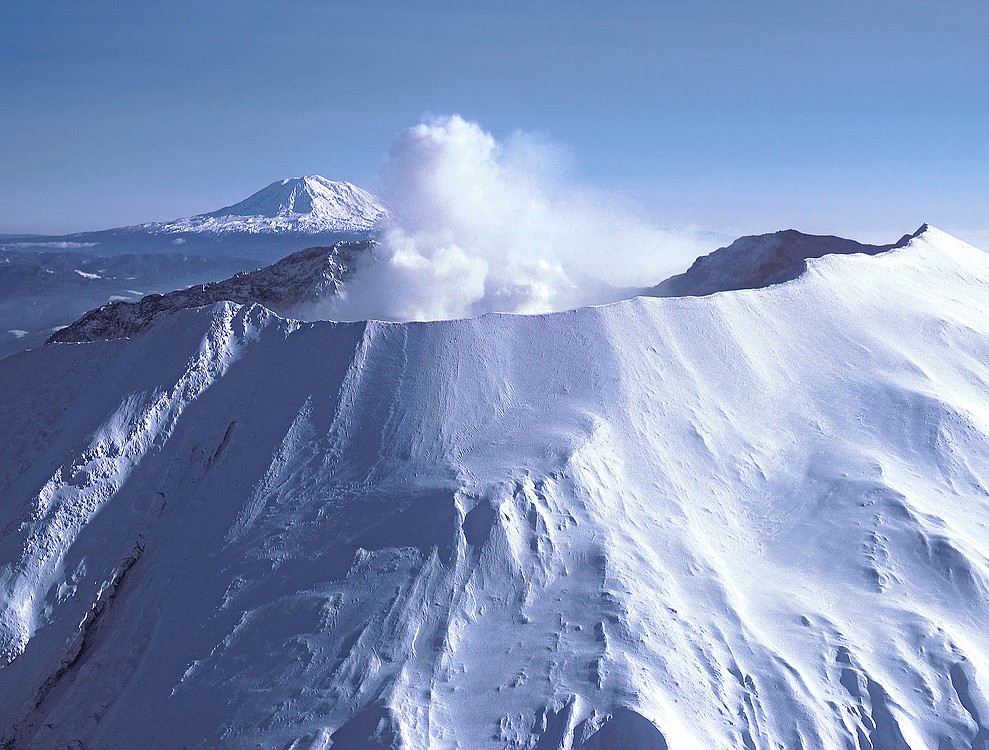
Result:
pixel 754 519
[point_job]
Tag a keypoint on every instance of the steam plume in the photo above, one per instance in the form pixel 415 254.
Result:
pixel 480 225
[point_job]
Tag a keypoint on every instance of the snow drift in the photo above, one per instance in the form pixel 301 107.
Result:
pixel 751 519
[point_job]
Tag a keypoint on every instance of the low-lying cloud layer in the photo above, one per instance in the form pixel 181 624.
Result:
pixel 480 226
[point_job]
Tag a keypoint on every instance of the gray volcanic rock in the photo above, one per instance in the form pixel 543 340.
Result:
pixel 42 291
pixel 307 276
pixel 761 260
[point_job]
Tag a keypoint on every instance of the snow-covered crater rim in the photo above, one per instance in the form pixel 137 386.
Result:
pixel 926 241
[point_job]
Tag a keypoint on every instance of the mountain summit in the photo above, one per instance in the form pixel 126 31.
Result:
pixel 286 216
pixel 751 519
pixel 310 204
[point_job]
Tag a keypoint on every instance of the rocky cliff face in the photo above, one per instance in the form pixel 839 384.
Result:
pixel 306 277
pixel 762 260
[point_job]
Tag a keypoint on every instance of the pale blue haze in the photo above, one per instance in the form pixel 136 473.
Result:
pixel 863 119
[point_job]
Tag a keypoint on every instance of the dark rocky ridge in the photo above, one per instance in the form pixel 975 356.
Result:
pixel 319 273
pixel 758 261
pixel 307 276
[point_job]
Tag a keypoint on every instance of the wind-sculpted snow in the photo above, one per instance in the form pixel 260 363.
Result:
pixel 303 278
pixel 756 519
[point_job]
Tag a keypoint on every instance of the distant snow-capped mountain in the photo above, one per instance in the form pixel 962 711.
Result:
pixel 310 205
pixel 286 216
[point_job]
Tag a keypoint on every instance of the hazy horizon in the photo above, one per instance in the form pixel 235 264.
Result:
pixel 836 119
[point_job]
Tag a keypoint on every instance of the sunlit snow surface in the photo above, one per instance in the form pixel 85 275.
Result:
pixel 756 519
pixel 311 204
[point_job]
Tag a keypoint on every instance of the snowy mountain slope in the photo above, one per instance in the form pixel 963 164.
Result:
pixel 757 261
pixel 310 204
pixel 755 519
pixel 307 276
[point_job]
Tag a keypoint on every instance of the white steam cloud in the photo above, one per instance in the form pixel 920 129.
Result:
pixel 481 226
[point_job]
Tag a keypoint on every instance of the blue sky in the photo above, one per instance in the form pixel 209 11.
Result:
pixel 856 118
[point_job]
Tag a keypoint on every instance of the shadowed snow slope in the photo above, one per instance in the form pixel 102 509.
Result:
pixel 756 519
